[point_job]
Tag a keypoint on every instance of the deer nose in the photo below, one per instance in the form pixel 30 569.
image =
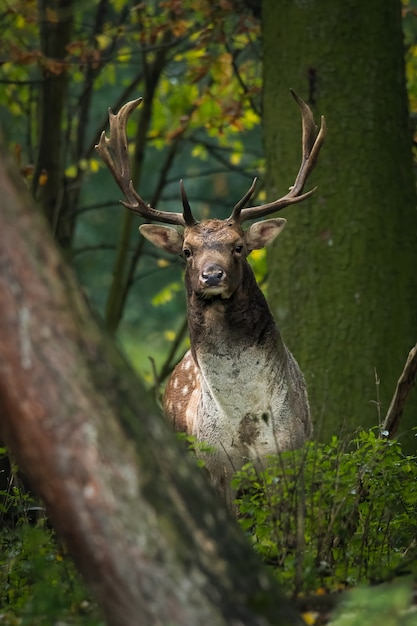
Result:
pixel 212 275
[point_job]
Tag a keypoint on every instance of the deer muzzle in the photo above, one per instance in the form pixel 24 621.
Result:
pixel 212 275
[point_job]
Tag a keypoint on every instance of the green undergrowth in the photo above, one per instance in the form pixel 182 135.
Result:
pixel 333 515
pixel 39 585
pixel 388 604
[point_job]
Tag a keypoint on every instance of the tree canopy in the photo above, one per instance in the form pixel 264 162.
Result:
pixel 196 66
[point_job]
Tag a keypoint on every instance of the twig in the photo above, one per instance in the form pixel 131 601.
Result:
pixel 404 385
pixel 234 55
pixel 168 364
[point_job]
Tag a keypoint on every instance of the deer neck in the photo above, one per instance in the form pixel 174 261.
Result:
pixel 226 328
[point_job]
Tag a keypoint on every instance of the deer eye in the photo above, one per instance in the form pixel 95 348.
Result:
pixel 238 249
pixel 187 253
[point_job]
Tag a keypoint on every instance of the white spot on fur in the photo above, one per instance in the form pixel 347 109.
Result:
pixel 184 390
pixel 175 383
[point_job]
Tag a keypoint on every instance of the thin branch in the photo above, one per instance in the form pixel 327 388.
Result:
pixel 7 81
pixel 234 55
pixel 214 150
pixel 93 248
pixel 209 172
pixel 168 365
pixel 91 73
pixel 404 385
pixel 152 74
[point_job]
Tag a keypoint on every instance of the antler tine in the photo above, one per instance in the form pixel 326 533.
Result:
pixel 188 216
pixel 311 144
pixel 240 205
pixel 114 152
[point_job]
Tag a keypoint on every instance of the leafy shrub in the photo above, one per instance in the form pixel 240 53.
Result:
pixel 332 514
pixel 38 583
pixel 199 448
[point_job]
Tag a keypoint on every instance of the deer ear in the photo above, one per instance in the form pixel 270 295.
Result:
pixel 261 234
pixel 163 237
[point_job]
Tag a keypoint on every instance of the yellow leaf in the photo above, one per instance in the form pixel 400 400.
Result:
pixel 103 41
pixel 71 171
pixel 43 178
pixel 20 21
pixel 310 617
pixel 199 152
pixel 163 263
pixel 124 55
pixel 15 108
pixel 170 335
pixel 251 118
pixel 235 158
pixel 258 254
pixel 166 294
pixel 94 165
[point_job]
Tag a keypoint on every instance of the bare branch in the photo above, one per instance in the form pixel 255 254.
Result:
pixel 405 383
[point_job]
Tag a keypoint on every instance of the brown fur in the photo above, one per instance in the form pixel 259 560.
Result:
pixel 238 388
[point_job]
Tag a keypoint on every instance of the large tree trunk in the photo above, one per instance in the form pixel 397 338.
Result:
pixel 343 275
pixel 136 514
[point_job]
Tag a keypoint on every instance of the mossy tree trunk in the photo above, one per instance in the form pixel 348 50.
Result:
pixel 343 279
pixel 135 512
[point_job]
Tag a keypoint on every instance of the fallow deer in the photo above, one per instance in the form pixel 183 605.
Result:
pixel 238 388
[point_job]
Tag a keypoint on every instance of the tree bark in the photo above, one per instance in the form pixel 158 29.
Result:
pixel 343 279
pixel 135 512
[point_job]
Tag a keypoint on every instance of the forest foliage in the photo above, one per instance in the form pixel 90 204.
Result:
pixel 198 66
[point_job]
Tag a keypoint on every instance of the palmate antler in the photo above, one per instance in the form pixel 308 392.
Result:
pixel 114 152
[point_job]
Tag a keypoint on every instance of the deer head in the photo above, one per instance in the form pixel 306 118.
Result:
pixel 213 249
